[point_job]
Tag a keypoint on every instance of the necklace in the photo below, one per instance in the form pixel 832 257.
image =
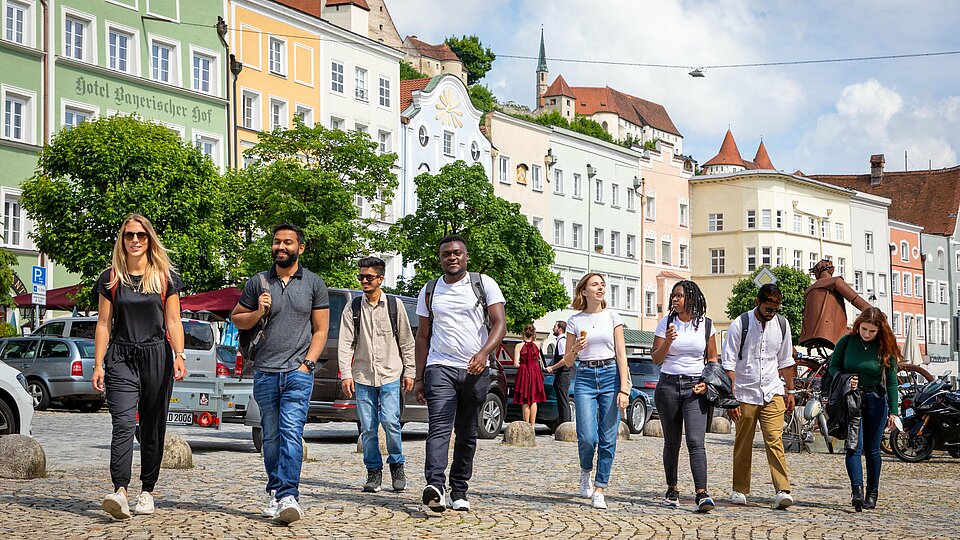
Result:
pixel 593 319
pixel 866 344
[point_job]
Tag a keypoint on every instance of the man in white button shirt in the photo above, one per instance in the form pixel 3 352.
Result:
pixel 758 357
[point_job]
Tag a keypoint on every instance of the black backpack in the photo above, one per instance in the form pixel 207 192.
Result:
pixel 249 339
pixel 476 284
pixel 745 327
pixel 391 311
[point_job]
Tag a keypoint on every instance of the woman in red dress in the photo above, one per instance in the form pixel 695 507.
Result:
pixel 528 388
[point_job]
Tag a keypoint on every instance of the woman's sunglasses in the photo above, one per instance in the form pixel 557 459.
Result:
pixel 142 236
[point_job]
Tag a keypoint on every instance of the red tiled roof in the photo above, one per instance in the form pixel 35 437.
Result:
pixel 927 198
pixel 729 154
pixel 559 88
pixel 669 274
pixel 762 160
pixel 438 52
pixel 358 3
pixel 592 100
pixel 407 88
pixel 312 7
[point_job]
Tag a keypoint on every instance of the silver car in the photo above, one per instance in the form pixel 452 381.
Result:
pixel 56 369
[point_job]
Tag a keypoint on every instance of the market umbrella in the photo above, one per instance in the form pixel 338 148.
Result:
pixel 911 347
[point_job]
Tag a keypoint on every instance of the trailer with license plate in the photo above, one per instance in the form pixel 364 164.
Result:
pixel 209 403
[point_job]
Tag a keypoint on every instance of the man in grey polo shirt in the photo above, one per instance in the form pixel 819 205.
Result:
pixel 295 312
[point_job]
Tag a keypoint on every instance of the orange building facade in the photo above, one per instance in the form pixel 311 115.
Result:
pixel 906 280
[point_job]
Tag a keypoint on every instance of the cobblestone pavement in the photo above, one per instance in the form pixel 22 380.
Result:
pixel 515 493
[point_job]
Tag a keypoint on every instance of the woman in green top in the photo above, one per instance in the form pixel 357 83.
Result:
pixel 870 353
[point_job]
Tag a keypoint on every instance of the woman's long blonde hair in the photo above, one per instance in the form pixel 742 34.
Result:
pixel 159 265
pixel 579 302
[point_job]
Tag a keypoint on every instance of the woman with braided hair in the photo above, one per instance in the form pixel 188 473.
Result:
pixel 683 340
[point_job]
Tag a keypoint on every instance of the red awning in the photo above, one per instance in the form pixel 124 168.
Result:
pixel 220 302
pixel 56 298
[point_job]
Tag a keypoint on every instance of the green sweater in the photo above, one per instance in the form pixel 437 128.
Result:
pixel 851 356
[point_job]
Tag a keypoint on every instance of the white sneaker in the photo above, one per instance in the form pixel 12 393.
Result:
pixel 116 505
pixel 288 510
pixel 586 484
pixel 270 510
pixel 783 500
pixel 461 504
pixel 738 498
pixel 144 504
pixel 598 501
pixel 433 498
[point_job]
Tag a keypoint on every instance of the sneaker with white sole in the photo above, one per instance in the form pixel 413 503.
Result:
pixel 144 505
pixel 738 498
pixel 460 502
pixel 598 500
pixel 783 500
pixel 116 505
pixel 288 510
pixel 270 510
pixel 433 498
pixel 704 503
pixel 586 484
pixel 671 498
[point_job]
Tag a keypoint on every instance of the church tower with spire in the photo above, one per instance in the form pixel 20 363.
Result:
pixel 542 73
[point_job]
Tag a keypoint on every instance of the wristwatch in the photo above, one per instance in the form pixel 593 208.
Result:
pixel 311 365
pixel 180 355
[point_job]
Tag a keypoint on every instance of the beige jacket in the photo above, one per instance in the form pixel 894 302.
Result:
pixel 377 360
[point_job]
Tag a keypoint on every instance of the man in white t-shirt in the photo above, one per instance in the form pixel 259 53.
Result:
pixel 453 348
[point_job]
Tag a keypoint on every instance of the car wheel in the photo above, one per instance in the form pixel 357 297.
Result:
pixel 8 421
pixel 637 416
pixel 39 393
pixel 257 434
pixel 491 417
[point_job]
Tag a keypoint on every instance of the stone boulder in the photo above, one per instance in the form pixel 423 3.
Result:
pixel 519 433
pixel 720 425
pixel 176 453
pixel 566 432
pixel 653 429
pixel 381 439
pixel 21 458
pixel 623 432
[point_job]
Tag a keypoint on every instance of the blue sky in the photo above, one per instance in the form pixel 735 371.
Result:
pixel 825 118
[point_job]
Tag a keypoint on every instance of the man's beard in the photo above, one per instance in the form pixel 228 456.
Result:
pixel 288 262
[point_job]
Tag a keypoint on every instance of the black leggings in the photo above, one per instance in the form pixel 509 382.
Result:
pixel 138 379
pixel 680 408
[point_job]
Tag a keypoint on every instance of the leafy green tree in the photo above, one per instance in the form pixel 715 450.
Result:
pixel 460 200
pixel 89 178
pixel 792 283
pixel 408 72
pixel 477 59
pixel 482 98
pixel 7 261
pixel 311 177
pixel 580 124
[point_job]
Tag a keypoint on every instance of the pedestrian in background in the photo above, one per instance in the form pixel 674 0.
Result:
pixel 133 361
pixel 528 387
pixel 375 350
pixel 602 387
pixel 758 357
pixel 869 352
pixel 293 338
pixel 683 340
pixel 561 375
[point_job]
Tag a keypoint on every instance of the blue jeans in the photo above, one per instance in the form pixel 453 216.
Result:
pixel 379 405
pixel 284 399
pixel 598 418
pixel 873 420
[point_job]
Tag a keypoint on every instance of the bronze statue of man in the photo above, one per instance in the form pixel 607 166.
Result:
pixel 824 313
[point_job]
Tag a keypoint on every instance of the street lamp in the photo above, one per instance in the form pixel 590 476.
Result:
pixel 696 73
pixel 235 68
pixel 549 160
pixel 222 35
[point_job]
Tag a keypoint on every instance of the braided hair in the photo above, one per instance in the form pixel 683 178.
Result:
pixel 693 301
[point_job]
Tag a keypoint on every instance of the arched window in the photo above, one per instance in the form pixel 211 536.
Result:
pixel 940 258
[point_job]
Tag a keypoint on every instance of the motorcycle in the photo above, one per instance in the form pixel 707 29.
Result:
pixel 932 422
pixel 907 393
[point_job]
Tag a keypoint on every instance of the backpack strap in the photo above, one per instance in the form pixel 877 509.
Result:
pixel 476 282
pixel 428 299
pixel 355 311
pixel 744 329
pixel 393 304
pixel 783 326
pixel 707 327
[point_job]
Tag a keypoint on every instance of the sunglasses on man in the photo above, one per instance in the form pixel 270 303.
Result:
pixel 367 277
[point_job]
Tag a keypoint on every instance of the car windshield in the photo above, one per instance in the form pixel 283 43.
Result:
pixel 226 354
pixel 197 335
pixel 643 366
pixel 83 329
pixel 337 303
pixel 85 347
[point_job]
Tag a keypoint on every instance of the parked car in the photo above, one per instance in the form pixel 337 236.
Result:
pixel 75 327
pixel 56 369
pixel 328 404
pixel 644 374
pixel 16 405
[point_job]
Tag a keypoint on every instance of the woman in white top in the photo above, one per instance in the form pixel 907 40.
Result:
pixel 683 340
pixel 602 386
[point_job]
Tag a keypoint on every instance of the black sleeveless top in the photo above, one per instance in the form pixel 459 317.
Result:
pixel 137 317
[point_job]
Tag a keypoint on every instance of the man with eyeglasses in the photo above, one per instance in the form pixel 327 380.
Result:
pixel 376 357
pixel 758 357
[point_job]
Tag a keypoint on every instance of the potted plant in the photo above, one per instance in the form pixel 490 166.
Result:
pixel 598 248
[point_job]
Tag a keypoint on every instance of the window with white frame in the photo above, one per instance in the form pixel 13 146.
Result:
pixel 383 142
pixel 895 283
pixel 942 292
pixel 649 250
pixel 78 38
pixel 631 299
pixel 614 243
pixel 908 285
pixel 631 246
pixel 684 256
pixel 650 303
pixel 208 146
pixel 614 295
pixel 536 179
pixel 305 114
pixel 615 195
pixel 360 83
pixel 797 259
pixel 278 56
pixel 650 208
pixel 204 73
pixel 797 224
pixel 163 62
pixel 577 186
pixel 250 109
pixel 598 238
pixel 18 114
pixel 18 23
pixel 631 200
pixel 825 229
pixel 868 241
pixel 73 116
pixel 14 231
pixel 504 169
pixel 598 191
pixel 780 252
pixel 557 181
pixel 361 128
pixel 940 258
pixel 278 113
pixel 944 332
pixel 921 328
pixel 715 222
pixel 337 123
pixel 811 226
pixel 871 283
pixel 751 219
pixel 336 76
pixel 858 281
pixel 384 92
pixel 684 214
pixel 448 143
pixel 121 50
pixel 917 285
pixel 958 296
pixel 717 261
pixel 766 219
pixel 907 321
pixel 766 256
pixel 895 324
pixel 838 232
pixel 779 222
pixel 751 253
pixel 578 236
pixel 666 252
pixel 904 251
pixel 537 223
pixel 558 232
pixel 814 259
pixel 929 291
